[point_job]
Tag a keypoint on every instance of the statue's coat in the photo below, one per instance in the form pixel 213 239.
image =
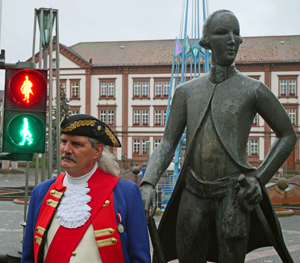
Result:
pixel 234 103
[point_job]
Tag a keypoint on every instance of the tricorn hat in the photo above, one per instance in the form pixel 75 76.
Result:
pixel 86 125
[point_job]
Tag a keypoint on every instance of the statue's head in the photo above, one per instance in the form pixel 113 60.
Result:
pixel 221 34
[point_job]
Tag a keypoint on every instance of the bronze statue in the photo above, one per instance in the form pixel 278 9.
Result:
pixel 213 214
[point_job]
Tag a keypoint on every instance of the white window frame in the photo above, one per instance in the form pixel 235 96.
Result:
pixel 158 88
pixel 292 86
pixel 75 89
pixel 145 117
pixel 103 115
pixel 136 117
pixel 254 147
pixel 110 117
pixel 283 87
pixel 144 146
pixel 103 89
pixel 137 89
pixel 145 88
pixel 292 115
pixel 157 117
pixel 166 88
pixel 111 89
pixel 136 146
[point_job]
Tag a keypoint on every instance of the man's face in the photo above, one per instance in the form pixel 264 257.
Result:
pixel 224 38
pixel 77 155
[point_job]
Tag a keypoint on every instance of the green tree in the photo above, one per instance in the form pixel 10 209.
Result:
pixel 64 111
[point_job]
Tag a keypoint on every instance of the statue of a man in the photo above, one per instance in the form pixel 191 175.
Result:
pixel 210 216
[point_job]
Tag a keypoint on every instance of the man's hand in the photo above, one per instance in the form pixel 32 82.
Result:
pixel 250 192
pixel 149 199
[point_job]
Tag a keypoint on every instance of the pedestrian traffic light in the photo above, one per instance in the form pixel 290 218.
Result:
pixel 24 125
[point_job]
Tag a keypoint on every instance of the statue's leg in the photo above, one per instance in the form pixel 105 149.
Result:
pixel 193 231
pixel 231 249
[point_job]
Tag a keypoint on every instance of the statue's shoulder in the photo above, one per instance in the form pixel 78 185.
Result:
pixel 196 82
pixel 247 78
pixel 249 81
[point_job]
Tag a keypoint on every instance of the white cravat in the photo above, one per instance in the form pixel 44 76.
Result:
pixel 74 210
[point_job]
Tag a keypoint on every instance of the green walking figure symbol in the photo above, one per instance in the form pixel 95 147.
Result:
pixel 26 133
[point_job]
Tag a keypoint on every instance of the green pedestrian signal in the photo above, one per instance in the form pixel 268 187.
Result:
pixel 24 125
pixel 24 131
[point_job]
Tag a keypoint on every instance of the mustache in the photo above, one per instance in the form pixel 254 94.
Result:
pixel 68 156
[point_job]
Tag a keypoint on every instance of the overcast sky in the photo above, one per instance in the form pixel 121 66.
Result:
pixel 113 20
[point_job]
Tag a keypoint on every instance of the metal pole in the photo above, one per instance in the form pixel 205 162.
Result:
pixel 33 60
pixel 58 117
pixel 37 160
pixel 182 79
pixel 40 66
pixel 41 39
pixel 34 33
pixel 50 144
pixel 43 167
pixel 26 195
pixel 206 64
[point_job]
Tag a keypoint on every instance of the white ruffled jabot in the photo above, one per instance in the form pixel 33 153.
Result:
pixel 74 210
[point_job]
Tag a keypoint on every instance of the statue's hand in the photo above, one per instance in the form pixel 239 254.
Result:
pixel 149 199
pixel 250 193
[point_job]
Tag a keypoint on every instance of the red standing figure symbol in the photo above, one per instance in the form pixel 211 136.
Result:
pixel 26 89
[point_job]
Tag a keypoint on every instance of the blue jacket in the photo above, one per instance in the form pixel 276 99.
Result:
pixel 127 202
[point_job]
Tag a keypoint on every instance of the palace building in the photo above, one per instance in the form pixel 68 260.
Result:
pixel 126 84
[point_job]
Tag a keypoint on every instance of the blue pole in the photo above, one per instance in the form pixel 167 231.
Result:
pixel 171 84
pixel 176 161
pixel 206 69
pixel 184 44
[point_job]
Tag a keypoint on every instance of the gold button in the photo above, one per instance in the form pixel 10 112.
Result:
pixel 114 240
pixel 111 231
pixel 52 192
pixel 106 202
pixel 73 254
pixel 49 201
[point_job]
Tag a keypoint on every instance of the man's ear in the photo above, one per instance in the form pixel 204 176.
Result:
pixel 98 150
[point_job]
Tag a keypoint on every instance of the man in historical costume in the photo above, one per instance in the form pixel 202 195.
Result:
pixel 88 214
pixel 212 216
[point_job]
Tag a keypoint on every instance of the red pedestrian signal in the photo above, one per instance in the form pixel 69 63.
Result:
pixel 24 128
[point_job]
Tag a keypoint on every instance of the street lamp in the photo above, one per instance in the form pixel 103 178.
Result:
pixel 44 16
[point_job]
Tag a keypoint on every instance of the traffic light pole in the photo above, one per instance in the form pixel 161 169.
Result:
pixel 26 197
pixel 50 142
pixel 46 18
pixel 58 117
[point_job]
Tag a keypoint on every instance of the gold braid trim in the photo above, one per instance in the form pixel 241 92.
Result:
pixel 112 137
pixel 77 124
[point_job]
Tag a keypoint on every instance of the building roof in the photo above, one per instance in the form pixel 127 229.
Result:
pixel 150 52
pixel 160 52
pixel 73 52
pixel 270 49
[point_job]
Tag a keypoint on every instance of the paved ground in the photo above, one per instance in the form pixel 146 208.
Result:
pixel 11 215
